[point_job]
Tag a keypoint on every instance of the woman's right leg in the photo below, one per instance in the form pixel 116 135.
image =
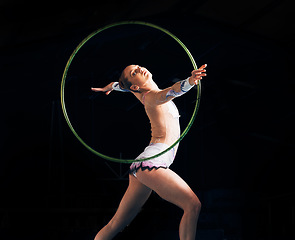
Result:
pixel 131 203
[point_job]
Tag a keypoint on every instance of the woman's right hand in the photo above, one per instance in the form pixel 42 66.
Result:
pixel 107 89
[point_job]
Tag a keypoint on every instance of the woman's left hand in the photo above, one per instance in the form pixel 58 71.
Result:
pixel 197 75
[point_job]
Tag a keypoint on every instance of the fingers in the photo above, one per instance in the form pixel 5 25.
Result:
pixel 200 70
pixel 199 73
pixel 97 89
pixel 203 66
pixel 197 81
pixel 101 90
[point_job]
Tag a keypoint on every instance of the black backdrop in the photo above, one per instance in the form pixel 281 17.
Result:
pixel 237 157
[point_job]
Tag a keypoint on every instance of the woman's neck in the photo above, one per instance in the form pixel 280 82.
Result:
pixel 149 86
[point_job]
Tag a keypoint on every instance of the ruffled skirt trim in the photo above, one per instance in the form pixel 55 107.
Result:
pixel 135 169
pixel 163 161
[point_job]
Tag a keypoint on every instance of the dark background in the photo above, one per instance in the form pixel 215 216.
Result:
pixel 237 156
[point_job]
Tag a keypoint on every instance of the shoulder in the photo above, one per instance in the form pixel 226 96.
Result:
pixel 159 97
pixel 144 96
pixel 149 96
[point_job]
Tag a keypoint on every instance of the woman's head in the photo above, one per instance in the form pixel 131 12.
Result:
pixel 123 81
pixel 134 78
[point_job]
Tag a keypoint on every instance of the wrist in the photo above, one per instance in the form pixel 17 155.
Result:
pixel 116 87
pixel 185 85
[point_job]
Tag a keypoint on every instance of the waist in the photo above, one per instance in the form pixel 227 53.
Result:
pixel 165 138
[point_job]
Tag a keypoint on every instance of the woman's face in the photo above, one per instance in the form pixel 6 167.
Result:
pixel 137 75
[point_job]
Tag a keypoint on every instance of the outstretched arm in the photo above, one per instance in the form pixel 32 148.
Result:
pixel 181 87
pixel 110 87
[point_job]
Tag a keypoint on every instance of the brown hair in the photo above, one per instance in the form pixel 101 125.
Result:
pixel 124 83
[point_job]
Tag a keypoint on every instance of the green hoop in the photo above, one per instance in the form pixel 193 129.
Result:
pixel 65 75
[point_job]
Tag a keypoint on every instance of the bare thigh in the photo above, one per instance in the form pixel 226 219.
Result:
pixel 168 185
pixel 131 203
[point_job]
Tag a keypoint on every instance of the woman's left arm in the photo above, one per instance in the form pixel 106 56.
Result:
pixel 181 87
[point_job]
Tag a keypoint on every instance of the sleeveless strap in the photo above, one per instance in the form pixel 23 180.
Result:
pixel 143 97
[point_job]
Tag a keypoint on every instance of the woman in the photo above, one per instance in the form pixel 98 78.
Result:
pixel 154 174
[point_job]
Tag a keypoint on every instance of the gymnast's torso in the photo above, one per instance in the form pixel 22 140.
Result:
pixel 164 120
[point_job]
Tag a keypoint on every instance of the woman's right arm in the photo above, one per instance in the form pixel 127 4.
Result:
pixel 110 87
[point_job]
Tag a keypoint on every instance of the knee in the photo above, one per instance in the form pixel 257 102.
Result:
pixel 194 206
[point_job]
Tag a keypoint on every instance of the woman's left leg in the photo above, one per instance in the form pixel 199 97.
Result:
pixel 171 187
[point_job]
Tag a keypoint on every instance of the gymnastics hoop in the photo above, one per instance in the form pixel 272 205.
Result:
pixel 65 75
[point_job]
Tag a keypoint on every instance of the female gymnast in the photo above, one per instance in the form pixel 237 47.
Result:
pixel 154 174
